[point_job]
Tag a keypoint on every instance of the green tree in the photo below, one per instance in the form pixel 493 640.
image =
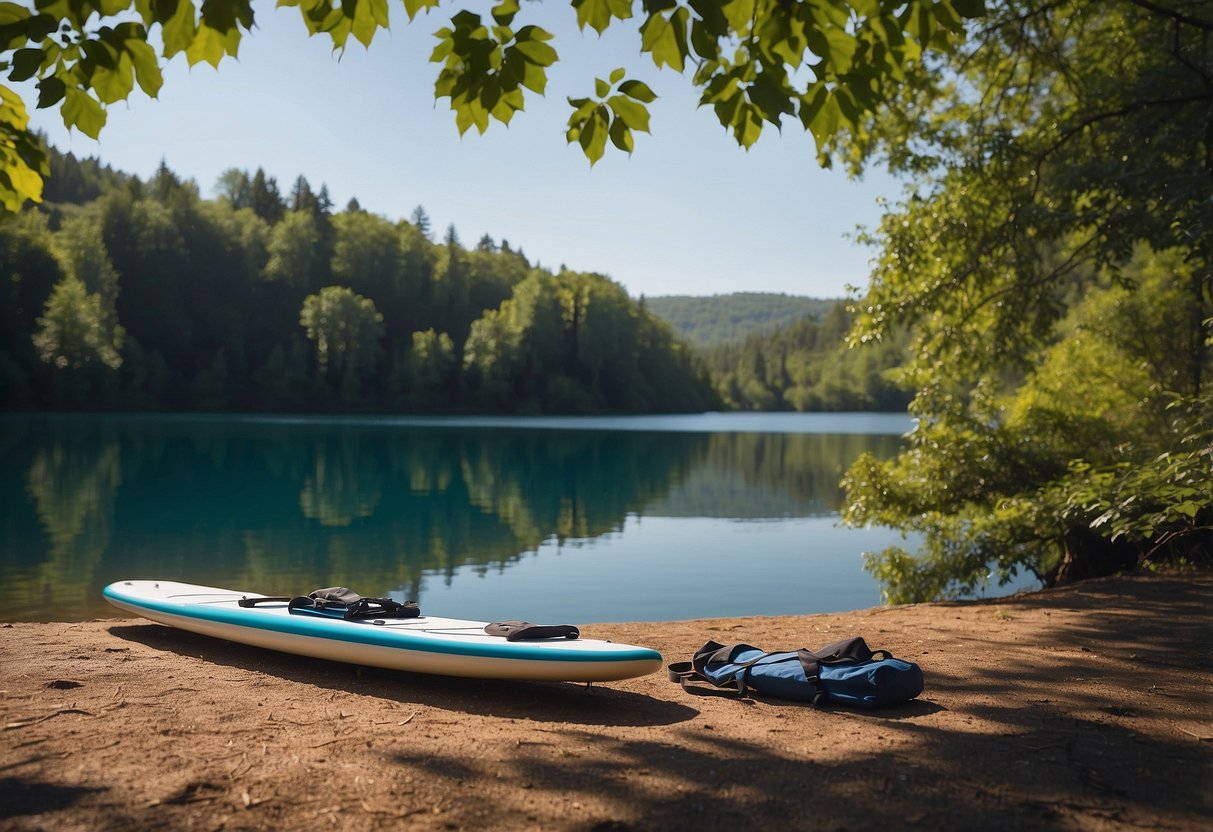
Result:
pixel 434 368
pixel 264 197
pixel 29 272
pixel 346 330
pixel 1053 257
pixel 74 339
pixel 421 221
pixel 824 63
pixel 294 251
pixel 367 255
pixel 235 186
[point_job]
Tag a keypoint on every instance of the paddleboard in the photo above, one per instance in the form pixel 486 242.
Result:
pixel 446 646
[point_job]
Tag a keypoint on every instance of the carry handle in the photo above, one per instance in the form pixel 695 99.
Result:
pixel 246 602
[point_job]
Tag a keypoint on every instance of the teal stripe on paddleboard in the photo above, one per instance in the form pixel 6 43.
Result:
pixel 367 633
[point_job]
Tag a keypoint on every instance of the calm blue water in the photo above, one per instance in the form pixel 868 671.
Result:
pixel 552 519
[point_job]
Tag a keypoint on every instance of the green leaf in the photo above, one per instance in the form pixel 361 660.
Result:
pixel 369 16
pixel 463 119
pixel 147 66
pixel 617 75
pixel 601 87
pixel 412 7
pixel 178 30
pixel 631 113
pixel 705 44
pixel 536 52
pixel 534 78
pixel 83 111
pixel 504 12
pixel 820 114
pixel 665 39
pixel 26 62
pixel 593 136
pixel 12 13
pixel 738 13
pixel 533 33
pixel 13 113
pixel 582 109
pixel 40 26
pixel 747 126
pixel 842 50
pixel 50 92
pixel 865 8
pixel 969 8
pixel 621 136
pixel 598 13
pixel 210 45
pixel 772 97
pixel 114 84
pixel 638 90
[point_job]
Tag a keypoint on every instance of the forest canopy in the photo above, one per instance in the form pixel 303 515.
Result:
pixel 142 295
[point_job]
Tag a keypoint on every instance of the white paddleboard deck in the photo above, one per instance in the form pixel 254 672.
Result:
pixel 447 646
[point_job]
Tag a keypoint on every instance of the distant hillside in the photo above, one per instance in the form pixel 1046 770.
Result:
pixel 722 319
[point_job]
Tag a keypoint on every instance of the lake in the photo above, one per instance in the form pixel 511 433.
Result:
pixel 546 519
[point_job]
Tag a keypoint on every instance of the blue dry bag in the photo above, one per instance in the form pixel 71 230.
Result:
pixel 844 673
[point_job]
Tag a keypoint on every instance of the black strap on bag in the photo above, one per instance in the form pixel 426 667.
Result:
pixel 526 631
pixel 849 650
pixel 712 653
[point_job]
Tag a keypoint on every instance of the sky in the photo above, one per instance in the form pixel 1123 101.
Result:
pixel 688 213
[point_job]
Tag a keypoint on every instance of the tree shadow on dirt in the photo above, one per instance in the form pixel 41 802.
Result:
pixel 1097 756
pixel 538 701
pixel 1063 729
pixel 22 796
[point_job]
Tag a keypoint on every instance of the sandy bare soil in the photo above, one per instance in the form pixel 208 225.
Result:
pixel 1087 708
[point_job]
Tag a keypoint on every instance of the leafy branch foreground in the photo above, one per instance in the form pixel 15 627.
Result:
pixel 1054 263
pixel 826 63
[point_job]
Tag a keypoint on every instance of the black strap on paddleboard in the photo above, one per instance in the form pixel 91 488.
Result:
pixel 526 631
pixel 351 605
pixel 330 600
pixel 265 599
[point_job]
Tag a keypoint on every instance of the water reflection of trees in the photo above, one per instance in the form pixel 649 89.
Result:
pixel 283 508
pixel 71 483
pixel 761 475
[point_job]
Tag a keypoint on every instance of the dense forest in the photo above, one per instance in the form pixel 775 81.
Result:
pixel 808 366
pixel 125 294
pixel 707 322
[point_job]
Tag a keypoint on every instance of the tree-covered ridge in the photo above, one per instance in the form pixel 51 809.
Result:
pixel 808 366
pixel 150 297
pixel 721 319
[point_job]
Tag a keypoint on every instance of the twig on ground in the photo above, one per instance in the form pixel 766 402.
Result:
pixel 1193 734
pixel 26 722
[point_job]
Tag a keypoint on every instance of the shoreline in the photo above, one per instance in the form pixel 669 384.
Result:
pixel 1083 707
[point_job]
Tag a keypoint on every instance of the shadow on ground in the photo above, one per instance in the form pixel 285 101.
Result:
pixel 540 701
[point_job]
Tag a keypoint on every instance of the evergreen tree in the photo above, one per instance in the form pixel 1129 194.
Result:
pixel 264 198
pixel 421 220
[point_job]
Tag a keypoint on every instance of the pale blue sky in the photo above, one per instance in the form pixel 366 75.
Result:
pixel 688 213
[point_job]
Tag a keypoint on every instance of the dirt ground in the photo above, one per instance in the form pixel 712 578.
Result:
pixel 1086 708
